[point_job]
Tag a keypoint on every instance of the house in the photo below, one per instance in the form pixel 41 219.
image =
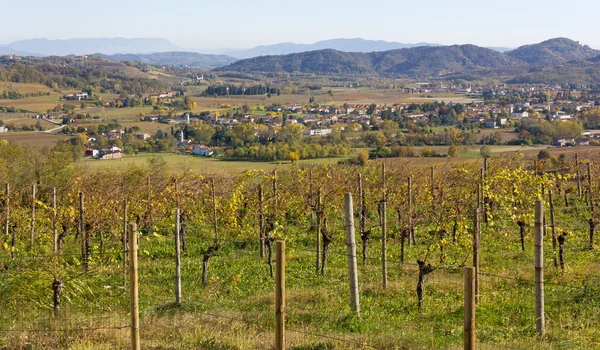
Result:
pixel 3 129
pixel 490 124
pixel 561 116
pixel 519 115
pixel 307 120
pixel 110 152
pixel 90 152
pixel 318 132
pixel 201 150
pixel 564 141
pixel 141 136
pixel 163 95
pixel 77 96
pixel 584 141
pixel 111 149
pixel 115 134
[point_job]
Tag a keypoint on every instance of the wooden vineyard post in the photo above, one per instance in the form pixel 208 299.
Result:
pixel 133 287
pixel 319 228
pixel 177 260
pixel 411 230
pixel 280 297
pixel 481 194
pixel 54 229
pixel 7 227
pixel 351 247
pixel 32 228
pixel 432 187
pixel 83 232
pixel 539 268
pixel 362 218
pixel 476 245
pixel 275 195
pixel 590 192
pixel 578 176
pixel 553 226
pixel 469 307
pixel 485 166
pixel 125 237
pixel 215 218
pixel 261 221
pixel 383 216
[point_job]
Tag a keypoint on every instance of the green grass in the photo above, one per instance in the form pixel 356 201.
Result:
pixel 177 162
pixel 235 310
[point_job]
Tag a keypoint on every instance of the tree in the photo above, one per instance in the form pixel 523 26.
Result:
pixel 452 151
pixel 291 133
pixel 485 151
pixel 243 134
pixel 189 104
pixel 202 134
pixel 362 157
pixel 293 156
pixel 543 154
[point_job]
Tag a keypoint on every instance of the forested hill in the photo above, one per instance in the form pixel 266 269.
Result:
pixel 553 51
pixel 75 73
pixel 555 60
pixel 419 61
pixel 175 58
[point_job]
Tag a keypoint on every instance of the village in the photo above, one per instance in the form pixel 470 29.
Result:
pixel 503 107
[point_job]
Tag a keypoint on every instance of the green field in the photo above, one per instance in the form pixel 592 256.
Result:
pixel 24 88
pixel 39 104
pixel 177 162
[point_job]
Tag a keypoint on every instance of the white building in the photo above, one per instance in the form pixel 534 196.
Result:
pixel 201 150
pixel 561 116
pixel 318 132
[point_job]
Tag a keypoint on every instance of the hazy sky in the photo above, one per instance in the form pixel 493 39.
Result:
pixel 242 24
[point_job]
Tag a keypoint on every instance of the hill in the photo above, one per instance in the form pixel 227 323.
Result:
pixel 346 45
pixel 553 51
pixel 107 46
pixel 175 58
pixel 5 50
pixel 571 73
pixel 74 73
pixel 419 61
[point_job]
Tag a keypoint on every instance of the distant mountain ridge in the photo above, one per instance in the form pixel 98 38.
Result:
pixel 174 58
pixel 107 46
pixel 346 45
pixel 5 50
pixel 432 61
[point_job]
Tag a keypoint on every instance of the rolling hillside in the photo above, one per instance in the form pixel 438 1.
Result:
pixel 553 51
pixel 419 61
pixel 174 58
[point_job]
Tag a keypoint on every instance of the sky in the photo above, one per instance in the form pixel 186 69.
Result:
pixel 243 24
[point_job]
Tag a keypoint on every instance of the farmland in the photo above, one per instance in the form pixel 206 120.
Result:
pixel 179 163
pixel 233 305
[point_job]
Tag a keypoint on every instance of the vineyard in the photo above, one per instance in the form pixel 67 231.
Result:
pixel 207 254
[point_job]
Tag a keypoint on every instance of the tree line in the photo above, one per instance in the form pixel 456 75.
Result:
pixel 226 90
